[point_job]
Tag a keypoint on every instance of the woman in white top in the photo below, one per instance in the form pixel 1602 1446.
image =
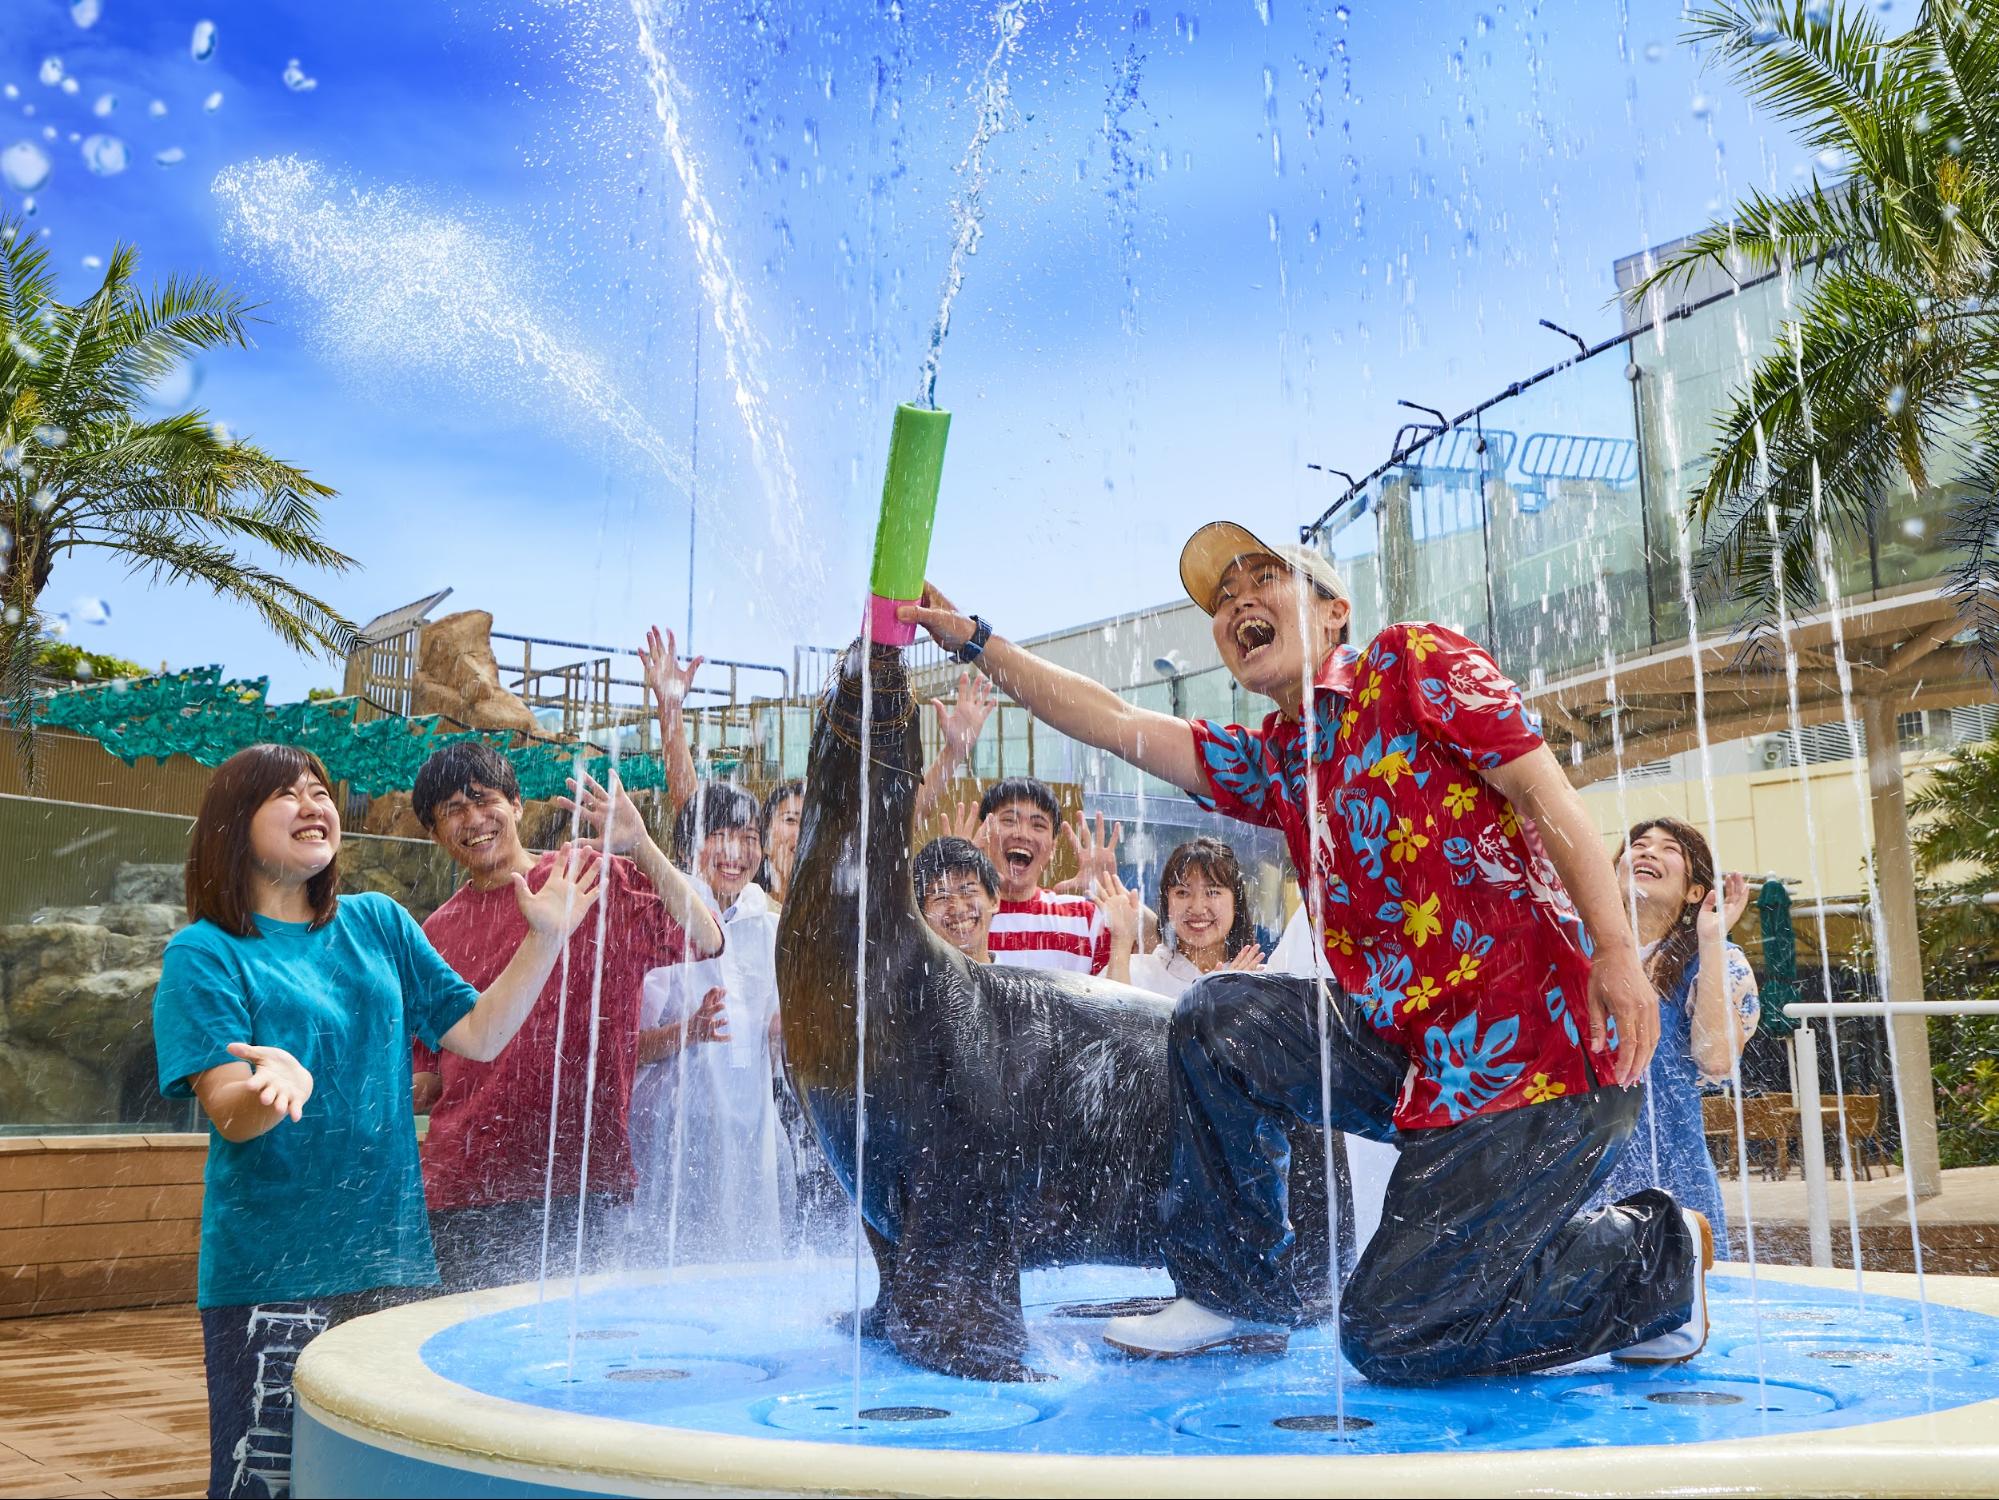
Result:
pixel 714 1172
pixel 1205 926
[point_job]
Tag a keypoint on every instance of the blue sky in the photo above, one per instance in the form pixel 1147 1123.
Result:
pixel 1148 337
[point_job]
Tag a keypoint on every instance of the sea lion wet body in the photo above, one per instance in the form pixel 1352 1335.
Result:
pixel 1014 1117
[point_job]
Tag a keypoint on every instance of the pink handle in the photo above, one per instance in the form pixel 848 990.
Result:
pixel 883 627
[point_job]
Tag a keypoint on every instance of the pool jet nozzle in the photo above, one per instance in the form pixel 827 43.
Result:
pixel 909 505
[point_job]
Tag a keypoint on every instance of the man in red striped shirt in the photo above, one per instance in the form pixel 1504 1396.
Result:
pixel 1019 821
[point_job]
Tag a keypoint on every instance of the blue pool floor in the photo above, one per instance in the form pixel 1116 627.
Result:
pixel 762 1353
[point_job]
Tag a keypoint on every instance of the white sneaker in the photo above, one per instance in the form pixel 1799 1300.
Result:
pixel 1678 1345
pixel 1184 1328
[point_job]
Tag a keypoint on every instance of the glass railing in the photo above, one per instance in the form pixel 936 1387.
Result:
pixel 88 899
pixel 1549 525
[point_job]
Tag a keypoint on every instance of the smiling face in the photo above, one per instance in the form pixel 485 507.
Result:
pixel 960 911
pixel 728 860
pixel 295 833
pixel 1654 871
pixel 781 843
pixel 1201 912
pixel 480 828
pixel 1272 628
pixel 1023 841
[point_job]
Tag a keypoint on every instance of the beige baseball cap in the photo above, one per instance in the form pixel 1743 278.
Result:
pixel 1211 550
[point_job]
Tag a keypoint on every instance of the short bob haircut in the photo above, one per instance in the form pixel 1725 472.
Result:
pixel 1021 789
pixel 714 808
pixel 218 855
pixel 1217 861
pixel 458 767
pixel 942 858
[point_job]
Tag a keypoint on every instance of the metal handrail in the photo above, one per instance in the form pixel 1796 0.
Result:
pixel 1811 1107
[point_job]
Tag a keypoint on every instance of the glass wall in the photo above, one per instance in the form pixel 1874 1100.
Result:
pixel 88 898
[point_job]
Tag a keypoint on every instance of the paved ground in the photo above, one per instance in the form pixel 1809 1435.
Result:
pixel 106 1403
pixel 1970 1196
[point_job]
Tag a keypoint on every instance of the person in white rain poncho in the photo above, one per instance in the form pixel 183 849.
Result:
pixel 715 1178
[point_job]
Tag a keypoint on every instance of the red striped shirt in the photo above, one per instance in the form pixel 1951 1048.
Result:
pixel 1048 931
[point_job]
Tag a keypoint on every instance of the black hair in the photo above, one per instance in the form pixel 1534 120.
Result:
pixel 779 794
pixel 457 768
pixel 952 856
pixel 1020 789
pixel 718 807
pixel 1216 860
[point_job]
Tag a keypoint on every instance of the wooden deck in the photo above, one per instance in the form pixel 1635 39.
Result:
pixel 103 1403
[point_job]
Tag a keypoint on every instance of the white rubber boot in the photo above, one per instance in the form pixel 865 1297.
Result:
pixel 1184 1328
pixel 1678 1345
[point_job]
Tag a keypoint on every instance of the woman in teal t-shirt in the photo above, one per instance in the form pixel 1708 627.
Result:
pixel 288 1012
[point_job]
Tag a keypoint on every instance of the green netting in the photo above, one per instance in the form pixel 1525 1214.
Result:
pixel 197 714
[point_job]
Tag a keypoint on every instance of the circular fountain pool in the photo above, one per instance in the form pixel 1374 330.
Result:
pixel 741 1379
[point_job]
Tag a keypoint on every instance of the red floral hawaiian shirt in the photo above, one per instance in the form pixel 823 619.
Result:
pixel 1444 918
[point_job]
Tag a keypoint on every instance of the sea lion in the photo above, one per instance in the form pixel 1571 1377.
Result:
pixel 1014 1117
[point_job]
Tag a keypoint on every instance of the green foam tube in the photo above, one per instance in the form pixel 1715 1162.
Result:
pixel 909 506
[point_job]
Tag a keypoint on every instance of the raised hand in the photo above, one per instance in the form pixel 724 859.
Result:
pixel 607 814
pixel 279 1080
pixel 1123 913
pixel 1096 855
pixel 668 681
pixel 964 721
pixel 709 1023
pixel 558 908
pixel 1248 959
pixel 1723 908
pixel 964 822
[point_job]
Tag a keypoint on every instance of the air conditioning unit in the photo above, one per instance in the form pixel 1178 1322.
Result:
pixel 1770 752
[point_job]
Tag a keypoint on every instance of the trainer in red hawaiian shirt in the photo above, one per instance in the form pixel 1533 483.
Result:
pixel 1444 917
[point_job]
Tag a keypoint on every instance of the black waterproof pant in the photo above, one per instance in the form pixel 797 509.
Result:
pixel 1483 1263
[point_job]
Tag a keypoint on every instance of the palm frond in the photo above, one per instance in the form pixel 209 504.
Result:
pixel 299 619
pixel 27 284
pixel 1973 535
pixel 1814 65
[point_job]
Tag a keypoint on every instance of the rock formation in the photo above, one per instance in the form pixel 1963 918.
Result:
pixel 457 676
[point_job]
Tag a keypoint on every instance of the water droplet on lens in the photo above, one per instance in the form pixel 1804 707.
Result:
pixel 104 105
pixel 1484 24
pixel 70 86
pixel 1653 51
pixel 1818 12
pixel 157 108
pixel 1955 145
pixel 170 157
pixel 1898 397
pixel 51 437
pixel 296 80
pixel 91 611
pixel 51 71
pixel 1763 33
pixel 24 166
pixel 201 46
pixel 213 102
pixel 1263 11
pixel 1700 106
pixel 105 155
pixel 85 12
pixel 93 262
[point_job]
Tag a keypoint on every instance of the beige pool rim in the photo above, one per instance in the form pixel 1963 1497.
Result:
pixel 367 1382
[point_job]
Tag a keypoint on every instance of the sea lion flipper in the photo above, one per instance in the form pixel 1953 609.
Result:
pixel 951 1290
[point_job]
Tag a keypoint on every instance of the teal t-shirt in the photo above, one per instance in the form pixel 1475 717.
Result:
pixel 331 1202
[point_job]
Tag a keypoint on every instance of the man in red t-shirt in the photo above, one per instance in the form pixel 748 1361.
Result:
pixel 1019 822
pixel 487 1167
pixel 1491 1016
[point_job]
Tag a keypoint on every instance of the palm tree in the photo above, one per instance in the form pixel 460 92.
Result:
pixel 1891 367
pixel 81 467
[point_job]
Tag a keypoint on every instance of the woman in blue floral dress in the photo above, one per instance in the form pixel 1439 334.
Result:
pixel 1708 1009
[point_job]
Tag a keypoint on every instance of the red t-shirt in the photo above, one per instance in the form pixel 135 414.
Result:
pixel 1051 931
pixel 488 1139
pixel 1444 917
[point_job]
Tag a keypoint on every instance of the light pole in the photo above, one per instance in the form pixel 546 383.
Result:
pixel 1174 671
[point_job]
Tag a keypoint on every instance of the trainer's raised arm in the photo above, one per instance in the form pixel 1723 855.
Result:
pixel 1065 700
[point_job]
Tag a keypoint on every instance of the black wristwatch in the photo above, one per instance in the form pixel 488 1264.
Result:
pixel 974 648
